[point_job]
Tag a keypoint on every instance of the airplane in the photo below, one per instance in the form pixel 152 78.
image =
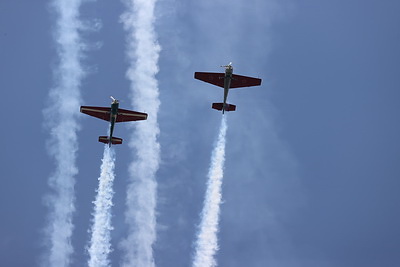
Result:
pixel 113 115
pixel 227 81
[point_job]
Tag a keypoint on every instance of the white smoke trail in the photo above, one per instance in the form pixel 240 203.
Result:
pixel 100 243
pixel 207 242
pixel 61 117
pixel 143 52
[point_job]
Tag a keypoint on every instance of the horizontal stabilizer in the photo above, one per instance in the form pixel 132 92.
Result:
pixel 114 140
pixel 228 107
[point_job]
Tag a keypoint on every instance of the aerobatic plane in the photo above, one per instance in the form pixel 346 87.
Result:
pixel 227 81
pixel 113 114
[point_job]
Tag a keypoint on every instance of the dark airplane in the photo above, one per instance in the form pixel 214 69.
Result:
pixel 113 115
pixel 227 81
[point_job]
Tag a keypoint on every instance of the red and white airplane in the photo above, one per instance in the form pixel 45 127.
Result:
pixel 113 115
pixel 227 81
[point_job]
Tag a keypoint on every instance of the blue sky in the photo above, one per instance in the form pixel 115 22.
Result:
pixel 312 158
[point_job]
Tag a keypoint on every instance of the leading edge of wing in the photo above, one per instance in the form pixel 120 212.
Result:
pixel 244 81
pixel 214 78
pixel 98 112
pixel 129 115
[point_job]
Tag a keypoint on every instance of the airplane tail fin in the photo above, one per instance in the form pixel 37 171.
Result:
pixel 114 140
pixel 228 107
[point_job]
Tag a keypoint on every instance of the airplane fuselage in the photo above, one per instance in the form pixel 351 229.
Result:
pixel 113 117
pixel 227 84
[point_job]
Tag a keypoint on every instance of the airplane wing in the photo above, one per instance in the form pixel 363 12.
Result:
pixel 98 112
pixel 211 77
pixel 244 81
pixel 218 79
pixel 129 115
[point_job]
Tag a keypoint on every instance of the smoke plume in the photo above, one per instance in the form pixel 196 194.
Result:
pixel 207 242
pixel 61 118
pixel 100 243
pixel 143 52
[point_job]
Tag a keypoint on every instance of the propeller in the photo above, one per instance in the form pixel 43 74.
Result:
pixel 114 100
pixel 227 66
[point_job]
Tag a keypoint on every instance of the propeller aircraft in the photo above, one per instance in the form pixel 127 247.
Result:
pixel 113 114
pixel 227 81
